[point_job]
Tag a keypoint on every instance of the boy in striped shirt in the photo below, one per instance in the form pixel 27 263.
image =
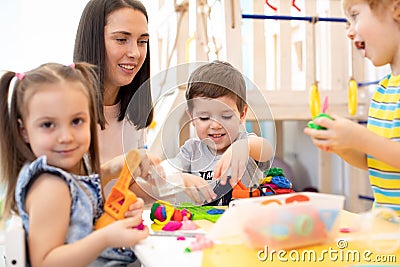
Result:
pixel 374 28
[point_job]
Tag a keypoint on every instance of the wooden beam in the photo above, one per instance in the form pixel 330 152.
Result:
pixel 294 105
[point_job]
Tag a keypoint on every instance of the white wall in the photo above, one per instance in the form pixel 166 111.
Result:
pixel 39 31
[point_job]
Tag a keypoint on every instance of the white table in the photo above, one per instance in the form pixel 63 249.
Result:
pixel 156 251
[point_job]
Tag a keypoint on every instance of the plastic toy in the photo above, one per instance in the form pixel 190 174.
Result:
pixel 120 197
pixel 314 101
pixel 220 190
pixel 241 191
pixel 162 212
pixel 315 108
pixel 299 225
pixel 281 181
pixel 274 171
pixel 15 251
pixel 274 183
pixel 352 97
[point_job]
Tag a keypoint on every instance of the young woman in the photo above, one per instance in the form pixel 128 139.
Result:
pixel 113 35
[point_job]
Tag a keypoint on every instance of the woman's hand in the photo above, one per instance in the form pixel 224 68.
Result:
pixel 111 169
pixel 149 166
pixel 148 163
pixel 147 169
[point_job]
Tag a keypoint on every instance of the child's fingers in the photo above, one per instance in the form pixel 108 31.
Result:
pixel 234 172
pixel 140 234
pixel 224 178
pixel 135 208
pixel 217 169
pixel 207 192
pixel 130 222
pixel 224 174
pixel 138 204
pixel 233 181
pixel 325 122
pixel 193 194
pixel 135 236
pixel 237 171
pixel 313 133
pixel 132 213
pixel 241 170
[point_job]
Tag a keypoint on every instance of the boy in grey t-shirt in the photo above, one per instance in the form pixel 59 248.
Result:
pixel 216 101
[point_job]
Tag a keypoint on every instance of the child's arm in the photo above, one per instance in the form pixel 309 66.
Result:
pixel 48 205
pixel 353 157
pixel 236 156
pixel 366 142
pixel 260 149
pixel 352 142
pixel 380 147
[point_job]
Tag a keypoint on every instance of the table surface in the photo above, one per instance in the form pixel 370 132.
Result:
pixel 167 251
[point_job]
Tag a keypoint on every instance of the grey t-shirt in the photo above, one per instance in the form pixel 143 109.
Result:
pixel 196 158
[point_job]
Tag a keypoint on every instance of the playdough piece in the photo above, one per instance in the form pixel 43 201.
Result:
pixel 160 222
pixel 313 125
pixel 172 226
pixel 281 182
pixel 274 171
pixel 188 224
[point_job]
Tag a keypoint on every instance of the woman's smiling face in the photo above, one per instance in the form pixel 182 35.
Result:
pixel 126 37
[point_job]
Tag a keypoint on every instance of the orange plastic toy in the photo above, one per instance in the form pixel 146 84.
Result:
pixel 241 191
pixel 120 197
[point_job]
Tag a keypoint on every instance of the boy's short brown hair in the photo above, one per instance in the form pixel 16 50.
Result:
pixel 217 79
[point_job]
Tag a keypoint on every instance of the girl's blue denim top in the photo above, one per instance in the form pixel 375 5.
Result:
pixel 86 207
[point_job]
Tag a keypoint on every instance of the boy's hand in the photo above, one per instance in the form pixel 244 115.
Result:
pixel 339 134
pixel 194 184
pixel 233 163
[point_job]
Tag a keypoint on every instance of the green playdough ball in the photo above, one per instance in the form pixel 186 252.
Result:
pixel 312 125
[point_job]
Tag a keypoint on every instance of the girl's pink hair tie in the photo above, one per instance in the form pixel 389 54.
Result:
pixel 20 76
